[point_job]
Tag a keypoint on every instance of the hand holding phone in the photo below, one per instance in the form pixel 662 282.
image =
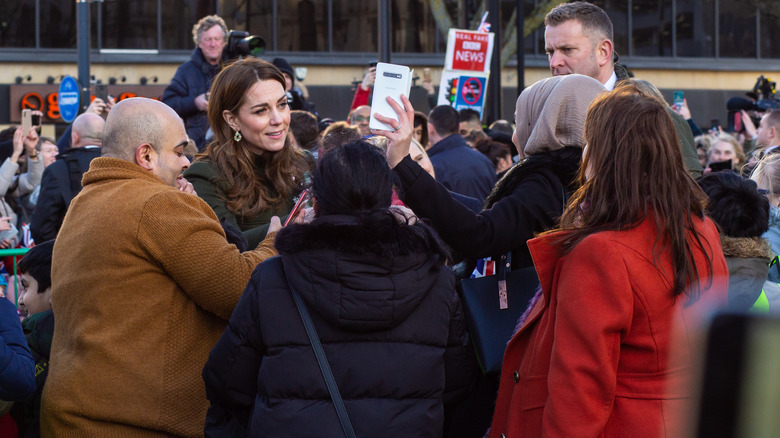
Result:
pixel 679 99
pixel 302 199
pixel 101 92
pixel 26 121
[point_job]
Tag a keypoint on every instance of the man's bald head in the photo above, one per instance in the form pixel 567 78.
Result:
pixel 136 121
pixel 87 130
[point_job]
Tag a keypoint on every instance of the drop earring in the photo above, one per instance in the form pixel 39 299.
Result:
pixel 238 136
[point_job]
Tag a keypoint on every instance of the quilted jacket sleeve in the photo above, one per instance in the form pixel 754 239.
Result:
pixel 231 371
pixel 17 369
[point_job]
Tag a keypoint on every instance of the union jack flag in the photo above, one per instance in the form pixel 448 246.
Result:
pixel 484 26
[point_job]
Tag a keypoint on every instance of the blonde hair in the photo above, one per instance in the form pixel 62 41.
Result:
pixel 768 169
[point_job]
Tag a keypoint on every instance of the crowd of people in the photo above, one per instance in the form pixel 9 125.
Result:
pixel 162 296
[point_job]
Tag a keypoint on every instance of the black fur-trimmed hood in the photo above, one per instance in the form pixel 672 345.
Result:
pixel 380 233
pixel 364 273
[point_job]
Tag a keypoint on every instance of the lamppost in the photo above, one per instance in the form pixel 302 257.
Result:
pixel 83 36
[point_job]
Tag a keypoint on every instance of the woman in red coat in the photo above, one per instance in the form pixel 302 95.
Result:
pixel 633 263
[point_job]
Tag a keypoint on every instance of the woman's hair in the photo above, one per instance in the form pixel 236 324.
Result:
pixel 42 140
pixel 730 139
pixel 422 119
pixel 338 134
pixel 646 88
pixel 634 169
pixel 256 182
pixel 494 150
pixel 352 179
pixel 475 136
pixel 768 169
pixel 379 141
pixel 704 141
pixel 735 204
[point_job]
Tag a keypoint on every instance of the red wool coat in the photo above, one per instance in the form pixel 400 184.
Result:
pixel 594 357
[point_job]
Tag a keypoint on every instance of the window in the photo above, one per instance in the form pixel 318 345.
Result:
pixel 253 16
pixel 618 14
pixel 737 36
pixel 354 26
pixel 696 28
pixel 650 28
pixel 178 18
pixel 61 16
pixel 651 33
pixel 769 14
pixel 17 24
pixel 303 26
pixel 129 24
pixel 414 28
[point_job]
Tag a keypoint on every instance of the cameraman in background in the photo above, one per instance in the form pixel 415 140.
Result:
pixel 188 91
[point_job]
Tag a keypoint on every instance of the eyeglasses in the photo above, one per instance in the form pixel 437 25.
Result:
pixel 361 119
pixel 763 191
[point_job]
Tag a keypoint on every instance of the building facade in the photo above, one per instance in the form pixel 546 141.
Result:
pixel 710 49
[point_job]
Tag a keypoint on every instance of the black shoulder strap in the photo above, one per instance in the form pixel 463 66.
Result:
pixel 74 174
pixel 341 410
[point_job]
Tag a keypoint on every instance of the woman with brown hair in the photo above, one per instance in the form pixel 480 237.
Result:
pixel 250 172
pixel 633 255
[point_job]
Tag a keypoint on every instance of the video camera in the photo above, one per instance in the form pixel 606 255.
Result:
pixel 241 43
pixel 764 92
pixel 763 99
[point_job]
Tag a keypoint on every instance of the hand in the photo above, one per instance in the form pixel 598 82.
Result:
pixel 308 214
pixel 31 139
pixel 97 106
pixel 275 225
pixel 369 79
pixel 185 186
pixel 683 110
pixel 201 102
pixel 5 223
pixel 750 128
pixel 19 138
pixel 403 214
pixel 300 217
pixel 5 244
pixel 398 141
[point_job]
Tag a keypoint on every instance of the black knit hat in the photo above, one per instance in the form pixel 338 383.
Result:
pixel 284 66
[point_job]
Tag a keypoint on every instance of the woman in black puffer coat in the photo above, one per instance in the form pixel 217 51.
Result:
pixel 384 306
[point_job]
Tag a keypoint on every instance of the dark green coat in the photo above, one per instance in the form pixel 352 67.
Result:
pixel 211 187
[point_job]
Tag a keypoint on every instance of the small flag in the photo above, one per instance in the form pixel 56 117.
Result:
pixel 485 268
pixel 484 26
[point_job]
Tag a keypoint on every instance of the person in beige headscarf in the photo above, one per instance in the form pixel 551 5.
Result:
pixel 550 117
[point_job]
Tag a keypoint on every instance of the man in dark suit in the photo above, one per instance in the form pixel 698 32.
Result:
pixel 61 181
pixel 458 167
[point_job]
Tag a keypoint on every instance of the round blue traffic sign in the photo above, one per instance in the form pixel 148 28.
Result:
pixel 68 98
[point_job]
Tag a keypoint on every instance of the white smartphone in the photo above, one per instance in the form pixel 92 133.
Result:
pixel 391 80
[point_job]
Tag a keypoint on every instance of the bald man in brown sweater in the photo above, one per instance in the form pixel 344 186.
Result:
pixel 144 281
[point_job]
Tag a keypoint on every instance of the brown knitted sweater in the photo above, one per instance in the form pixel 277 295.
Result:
pixel 143 284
